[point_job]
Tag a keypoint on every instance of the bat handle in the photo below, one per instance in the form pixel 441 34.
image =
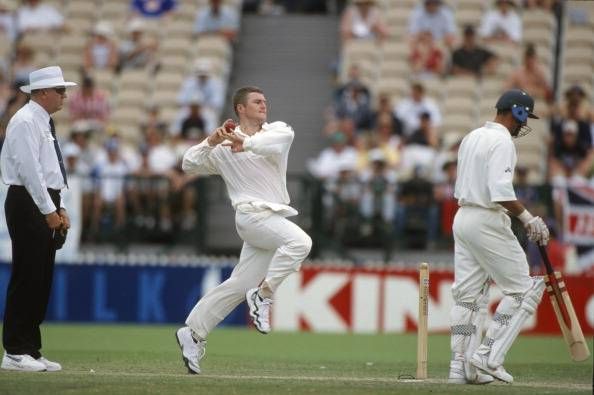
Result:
pixel 545 259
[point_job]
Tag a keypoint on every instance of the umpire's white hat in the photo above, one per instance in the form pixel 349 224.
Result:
pixel 47 77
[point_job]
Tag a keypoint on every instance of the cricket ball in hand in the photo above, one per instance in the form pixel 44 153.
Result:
pixel 229 126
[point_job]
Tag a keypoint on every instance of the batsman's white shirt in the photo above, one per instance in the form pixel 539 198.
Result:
pixel 273 247
pixel 485 246
pixel 486 162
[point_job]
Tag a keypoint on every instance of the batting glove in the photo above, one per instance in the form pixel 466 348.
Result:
pixel 536 229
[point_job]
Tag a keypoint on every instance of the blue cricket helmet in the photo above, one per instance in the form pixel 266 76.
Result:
pixel 519 103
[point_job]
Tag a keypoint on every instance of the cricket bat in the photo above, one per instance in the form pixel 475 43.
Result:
pixel 568 322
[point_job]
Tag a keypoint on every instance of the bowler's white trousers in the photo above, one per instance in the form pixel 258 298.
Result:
pixel 273 248
pixel 486 247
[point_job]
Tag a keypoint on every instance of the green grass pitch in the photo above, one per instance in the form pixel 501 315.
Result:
pixel 130 359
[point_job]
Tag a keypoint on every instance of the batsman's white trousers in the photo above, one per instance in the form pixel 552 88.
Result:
pixel 485 246
pixel 273 248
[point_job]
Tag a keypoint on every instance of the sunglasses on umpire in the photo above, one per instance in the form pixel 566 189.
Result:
pixel 60 90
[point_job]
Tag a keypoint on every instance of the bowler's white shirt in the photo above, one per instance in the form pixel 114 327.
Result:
pixel 29 157
pixel 258 175
pixel 486 162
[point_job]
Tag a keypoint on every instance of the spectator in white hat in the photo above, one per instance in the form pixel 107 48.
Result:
pixel 101 52
pixel 138 51
pixel 31 163
pixel 203 85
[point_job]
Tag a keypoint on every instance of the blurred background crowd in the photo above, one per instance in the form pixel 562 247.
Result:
pixel 412 78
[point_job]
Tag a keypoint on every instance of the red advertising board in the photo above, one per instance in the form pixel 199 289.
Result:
pixel 326 299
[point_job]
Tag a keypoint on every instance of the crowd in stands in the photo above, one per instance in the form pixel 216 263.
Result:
pixel 409 89
pixel 126 126
pixel 414 77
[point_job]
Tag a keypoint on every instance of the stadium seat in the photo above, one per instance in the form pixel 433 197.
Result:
pixel 134 79
pixel 465 87
pixel 394 69
pixel 81 9
pixel 131 98
pixel 212 46
pixel 72 43
pixel 175 46
pixel 104 79
pixel 539 18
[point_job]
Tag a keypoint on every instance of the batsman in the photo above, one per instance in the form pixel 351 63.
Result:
pixel 486 248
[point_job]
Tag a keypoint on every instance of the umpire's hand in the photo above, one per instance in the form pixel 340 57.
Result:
pixel 54 221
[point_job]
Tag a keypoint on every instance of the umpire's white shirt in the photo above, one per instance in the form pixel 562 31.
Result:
pixel 29 157
pixel 486 163
pixel 256 178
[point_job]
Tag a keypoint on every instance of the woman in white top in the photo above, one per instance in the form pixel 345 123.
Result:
pixel 363 20
pixel 101 52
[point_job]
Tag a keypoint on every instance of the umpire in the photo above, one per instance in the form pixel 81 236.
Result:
pixel 31 163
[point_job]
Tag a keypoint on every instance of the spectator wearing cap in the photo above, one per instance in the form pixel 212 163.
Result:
pixel 502 23
pixel 362 20
pixel 472 59
pixel 434 16
pixel 33 15
pixel 89 104
pixel 409 109
pixel 202 85
pixel 8 27
pixel 217 18
pixel 138 51
pixel 101 52
pixel 571 160
pixel 531 77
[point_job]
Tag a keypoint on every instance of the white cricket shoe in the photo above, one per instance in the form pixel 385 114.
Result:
pixel 50 366
pixel 259 310
pixel 458 375
pixel 480 361
pixel 23 363
pixel 192 351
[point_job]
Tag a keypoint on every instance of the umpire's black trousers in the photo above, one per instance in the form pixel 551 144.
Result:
pixel 33 256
